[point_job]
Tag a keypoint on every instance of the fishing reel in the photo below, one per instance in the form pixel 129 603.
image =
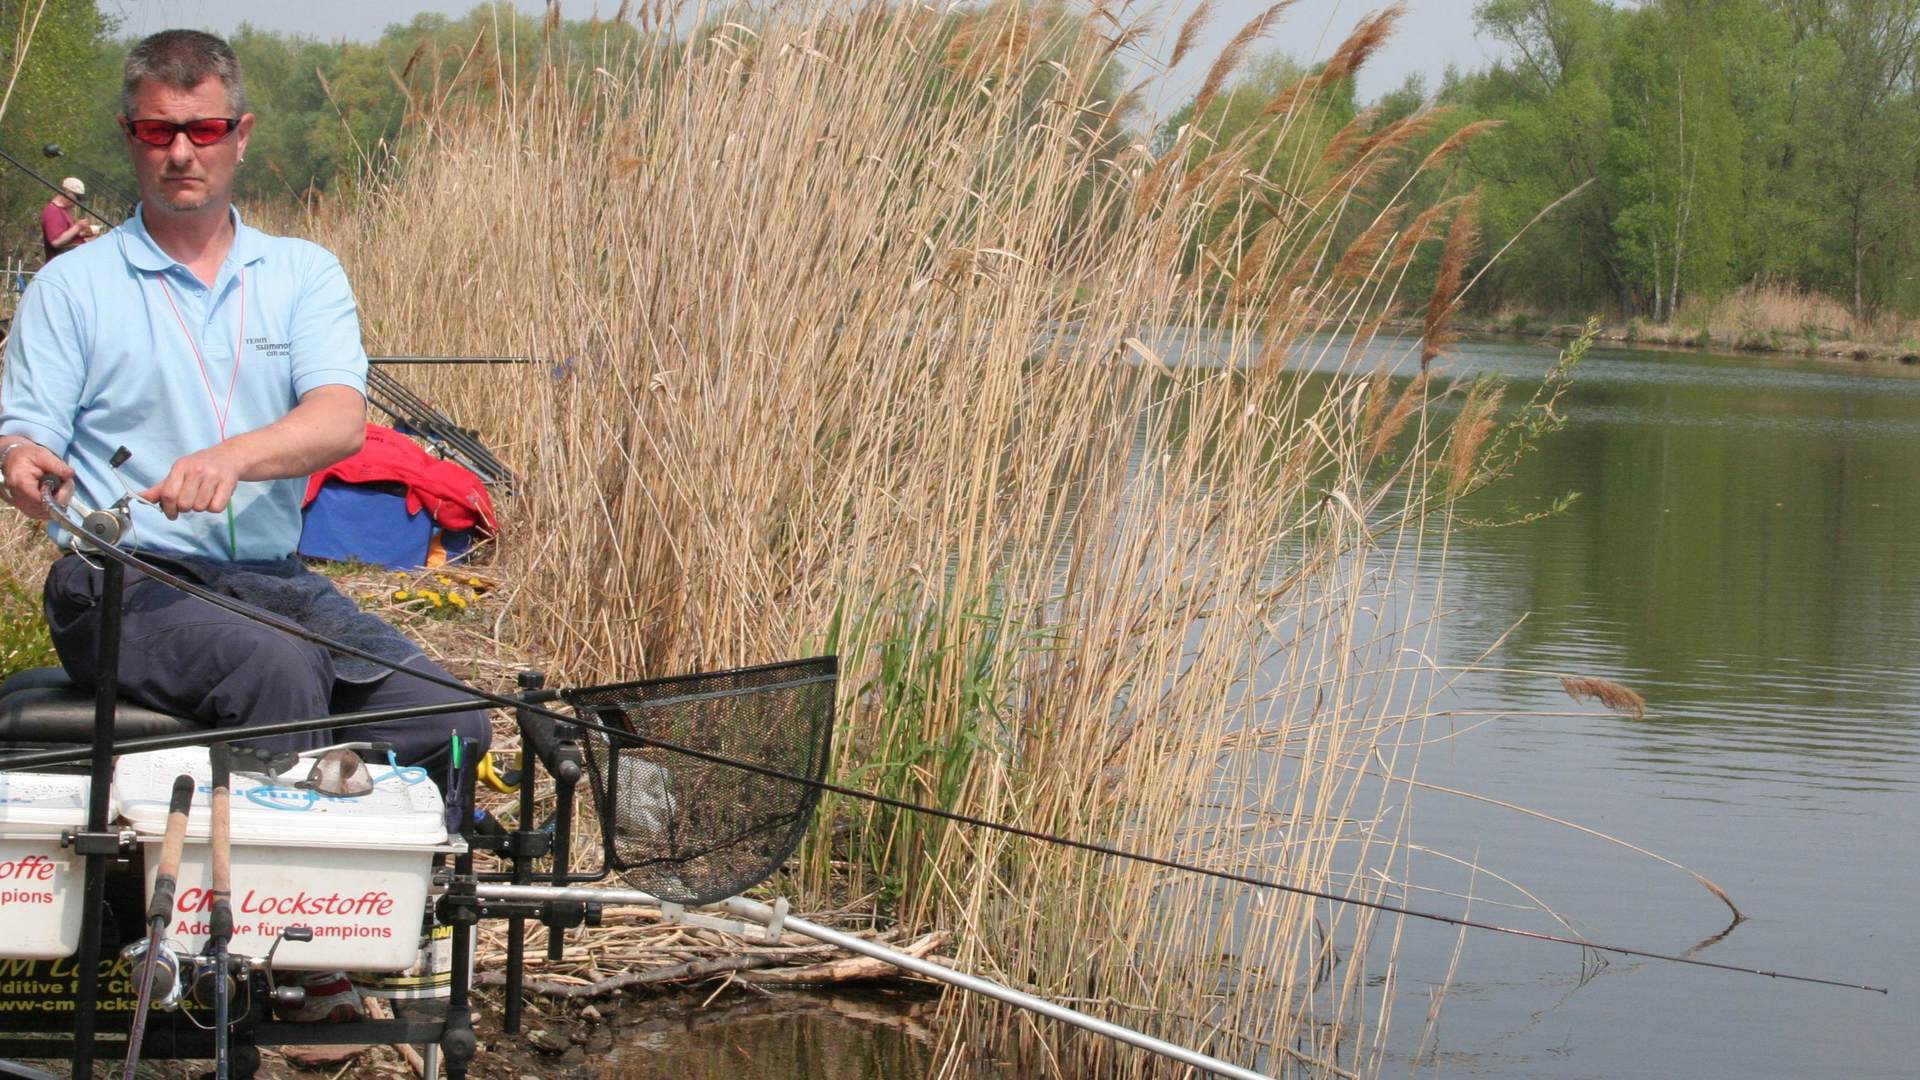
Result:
pixel 167 976
pixel 107 524
pixel 203 975
pixel 181 978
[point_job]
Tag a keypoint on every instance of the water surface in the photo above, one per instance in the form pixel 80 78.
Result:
pixel 1742 553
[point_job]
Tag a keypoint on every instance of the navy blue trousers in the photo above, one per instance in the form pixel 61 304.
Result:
pixel 181 655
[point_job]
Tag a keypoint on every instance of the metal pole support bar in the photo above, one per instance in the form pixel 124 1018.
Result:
pixel 766 915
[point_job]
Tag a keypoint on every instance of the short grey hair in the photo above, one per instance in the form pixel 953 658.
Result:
pixel 183 59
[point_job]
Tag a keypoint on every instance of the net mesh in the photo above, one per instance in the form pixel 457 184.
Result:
pixel 693 831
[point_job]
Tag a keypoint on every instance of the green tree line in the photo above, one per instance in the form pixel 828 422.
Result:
pixel 329 112
pixel 1728 140
pixel 326 111
pixel 1720 143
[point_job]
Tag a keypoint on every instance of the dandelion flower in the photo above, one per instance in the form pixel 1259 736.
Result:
pixel 402 594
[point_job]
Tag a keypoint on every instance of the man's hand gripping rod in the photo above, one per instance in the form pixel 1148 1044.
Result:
pixel 108 524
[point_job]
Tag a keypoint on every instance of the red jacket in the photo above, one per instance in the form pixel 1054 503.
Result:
pixel 456 498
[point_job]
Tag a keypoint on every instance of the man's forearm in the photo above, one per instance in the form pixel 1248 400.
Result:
pixel 329 424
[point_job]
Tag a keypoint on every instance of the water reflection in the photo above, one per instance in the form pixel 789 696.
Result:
pixel 855 1036
pixel 1740 551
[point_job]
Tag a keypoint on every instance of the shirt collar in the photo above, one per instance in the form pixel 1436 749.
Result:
pixel 140 250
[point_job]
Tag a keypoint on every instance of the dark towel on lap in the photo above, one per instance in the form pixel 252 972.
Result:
pixel 285 587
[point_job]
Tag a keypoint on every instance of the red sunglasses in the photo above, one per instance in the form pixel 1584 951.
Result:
pixel 202 132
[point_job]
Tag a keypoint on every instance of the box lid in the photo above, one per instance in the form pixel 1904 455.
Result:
pixel 44 802
pixel 403 809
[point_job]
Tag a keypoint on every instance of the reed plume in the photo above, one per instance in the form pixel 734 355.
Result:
pixel 1479 414
pixel 1190 32
pixel 1462 236
pixel 1234 53
pixel 1615 696
pixel 1361 45
pixel 1457 141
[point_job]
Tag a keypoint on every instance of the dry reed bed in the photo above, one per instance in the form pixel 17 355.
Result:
pixel 851 325
pixel 1758 317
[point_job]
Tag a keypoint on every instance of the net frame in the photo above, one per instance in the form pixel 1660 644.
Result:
pixel 692 831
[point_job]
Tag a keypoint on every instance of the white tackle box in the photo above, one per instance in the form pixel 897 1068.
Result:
pixel 355 870
pixel 40 879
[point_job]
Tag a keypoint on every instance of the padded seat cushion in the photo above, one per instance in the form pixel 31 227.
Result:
pixel 42 707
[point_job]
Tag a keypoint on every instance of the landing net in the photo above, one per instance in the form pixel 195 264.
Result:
pixel 692 831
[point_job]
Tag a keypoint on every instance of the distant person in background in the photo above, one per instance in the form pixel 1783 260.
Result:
pixel 60 229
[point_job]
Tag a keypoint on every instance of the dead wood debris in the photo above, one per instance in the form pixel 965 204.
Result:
pixel 650 953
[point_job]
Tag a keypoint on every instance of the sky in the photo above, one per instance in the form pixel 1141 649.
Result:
pixel 1434 33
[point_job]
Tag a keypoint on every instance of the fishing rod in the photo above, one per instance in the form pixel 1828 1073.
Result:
pixel 94 178
pixel 159 914
pixel 111 550
pixel 57 189
pixel 220 920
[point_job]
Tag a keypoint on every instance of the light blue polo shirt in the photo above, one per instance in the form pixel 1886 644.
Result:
pixel 102 356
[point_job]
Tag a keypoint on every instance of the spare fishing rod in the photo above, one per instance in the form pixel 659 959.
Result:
pixel 112 551
pixel 122 200
pixel 58 190
pixel 220 919
pixel 159 914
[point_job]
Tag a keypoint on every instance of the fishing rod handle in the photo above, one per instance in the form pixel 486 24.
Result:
pixel 160 908
pixel 220 837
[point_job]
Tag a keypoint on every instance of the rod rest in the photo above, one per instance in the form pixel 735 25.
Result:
pixel 42 707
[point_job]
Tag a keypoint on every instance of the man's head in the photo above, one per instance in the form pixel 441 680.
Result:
pixel 183 111
pixel 71 188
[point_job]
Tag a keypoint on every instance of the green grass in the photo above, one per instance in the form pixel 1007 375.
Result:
pixel 23 632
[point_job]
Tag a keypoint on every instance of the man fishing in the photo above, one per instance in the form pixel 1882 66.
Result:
pixel 60 229
pixel 229 363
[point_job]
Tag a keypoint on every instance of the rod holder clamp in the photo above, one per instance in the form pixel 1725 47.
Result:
pixel 115 843
pixel 459 907
pixel 528 844
pixel 566 914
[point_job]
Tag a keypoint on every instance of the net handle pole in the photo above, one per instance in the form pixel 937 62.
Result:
pixel 765 915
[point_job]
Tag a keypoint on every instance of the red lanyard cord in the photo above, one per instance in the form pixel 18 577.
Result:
pixel 220 413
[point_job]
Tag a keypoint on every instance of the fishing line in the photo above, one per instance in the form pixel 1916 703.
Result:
pixel 265 618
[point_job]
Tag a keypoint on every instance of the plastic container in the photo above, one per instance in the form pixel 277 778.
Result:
pixel 40 878
pixel 355 870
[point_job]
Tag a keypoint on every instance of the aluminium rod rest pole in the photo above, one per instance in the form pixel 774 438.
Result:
pixel 99 778
pixel 524 832
pixel 457 1042
pixel 763 914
